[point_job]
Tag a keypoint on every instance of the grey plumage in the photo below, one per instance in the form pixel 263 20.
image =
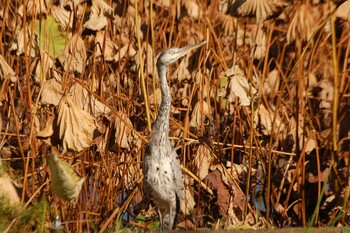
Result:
pixel 162 171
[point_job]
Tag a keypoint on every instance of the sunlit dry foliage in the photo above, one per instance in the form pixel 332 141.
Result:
pixel 302 25
pixel 237 86
pixel 51 92
pixel 73 57
pixel 6 72
pixel 76 127
pixel 259 115
pixel 124 135
pixel 202 161
pixel 41 67
pixel 271 84
pixel 263 119
pixel 229 23
pixel 106 48
pixel 200 112
pixel 63 17
pixel 258 40
pixel 193 9
pixel 344 11
pixel 85 101
pixel 262 9
pixel 26 42
pixel 35 8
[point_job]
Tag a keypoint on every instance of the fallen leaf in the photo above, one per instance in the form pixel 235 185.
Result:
pixel 122 52
pixel 156 97
pixel 72 5
pixel 309 145
pixel 326 94
pixel 97 21
pixel 279 208
pixel 186 225
pixel 289 137
pixel 234 220
pixel 214 181
pixel 181 73
pixel 311 178
pixel 128 172
pixel 236 171
pixel 34 8
pixel 163 3
pixel 102 6
pixel 228 24
pixel 238 201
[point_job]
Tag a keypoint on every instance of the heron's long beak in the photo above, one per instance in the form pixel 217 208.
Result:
pixel 183 51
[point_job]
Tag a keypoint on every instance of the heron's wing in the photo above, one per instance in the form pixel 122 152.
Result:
pixel 177 173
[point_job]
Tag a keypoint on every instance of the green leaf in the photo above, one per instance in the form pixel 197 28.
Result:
pixel 140 219
pixel 223 83
pixel 51 38
pixel 64 180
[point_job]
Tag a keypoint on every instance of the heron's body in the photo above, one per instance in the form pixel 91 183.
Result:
pixel 163 180
pixel 162 170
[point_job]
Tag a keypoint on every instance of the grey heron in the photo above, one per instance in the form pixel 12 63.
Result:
pixel 162 171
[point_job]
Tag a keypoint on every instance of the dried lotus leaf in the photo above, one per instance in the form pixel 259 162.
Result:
pixel 203 159
pixel 86 101
pixel 51 92
pixel 301 27
pixel 6 72
pixel 239 87
pixel 31 47
pixel 76 128
pixel 262 9
pixel 343 11
pixel 73 57
pixel 200 112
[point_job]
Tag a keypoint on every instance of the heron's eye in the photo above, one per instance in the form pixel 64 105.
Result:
pixel 171 52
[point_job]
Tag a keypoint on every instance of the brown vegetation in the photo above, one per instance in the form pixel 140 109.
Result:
pixel 260 115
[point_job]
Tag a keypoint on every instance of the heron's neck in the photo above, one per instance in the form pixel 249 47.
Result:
pixel 162 121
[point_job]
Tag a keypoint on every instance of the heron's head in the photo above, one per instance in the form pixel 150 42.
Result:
pixel 171 55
